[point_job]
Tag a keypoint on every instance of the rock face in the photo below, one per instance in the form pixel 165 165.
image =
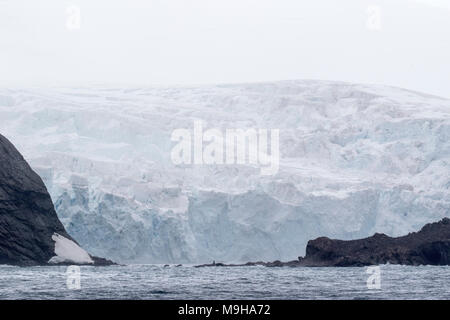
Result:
pixel 28 221
pixel 429 246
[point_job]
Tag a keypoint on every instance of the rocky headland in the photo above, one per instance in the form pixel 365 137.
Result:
pixel 30 231
pixel 429 246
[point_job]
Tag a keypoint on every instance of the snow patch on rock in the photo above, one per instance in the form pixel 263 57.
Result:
pixel 68 251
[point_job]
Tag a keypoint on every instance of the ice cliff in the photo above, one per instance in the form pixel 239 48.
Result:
pixel 355 160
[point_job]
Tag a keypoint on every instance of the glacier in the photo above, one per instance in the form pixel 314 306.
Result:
pixel 355 159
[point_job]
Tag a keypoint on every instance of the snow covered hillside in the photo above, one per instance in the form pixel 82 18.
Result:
pixel 355 159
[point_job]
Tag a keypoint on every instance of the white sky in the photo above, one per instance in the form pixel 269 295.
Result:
pixel 163 42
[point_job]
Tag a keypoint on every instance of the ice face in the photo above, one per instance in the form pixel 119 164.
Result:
pixel 355 160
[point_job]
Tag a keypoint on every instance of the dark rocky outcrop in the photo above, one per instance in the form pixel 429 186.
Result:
pixel 27 216
pixel 429 246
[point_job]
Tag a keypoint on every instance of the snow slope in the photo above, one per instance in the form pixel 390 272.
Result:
pixel 67 251
pixel 355 159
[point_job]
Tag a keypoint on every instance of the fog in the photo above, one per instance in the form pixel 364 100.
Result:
pixel 403 43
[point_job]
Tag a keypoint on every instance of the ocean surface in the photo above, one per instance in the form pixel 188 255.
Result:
pixel 187 282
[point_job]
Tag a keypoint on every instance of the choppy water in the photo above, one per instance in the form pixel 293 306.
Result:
pixel 157 282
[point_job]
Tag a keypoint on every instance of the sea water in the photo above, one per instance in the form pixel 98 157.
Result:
pixel 188 282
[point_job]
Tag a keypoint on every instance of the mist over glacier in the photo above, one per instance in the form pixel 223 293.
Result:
pixel 355 159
